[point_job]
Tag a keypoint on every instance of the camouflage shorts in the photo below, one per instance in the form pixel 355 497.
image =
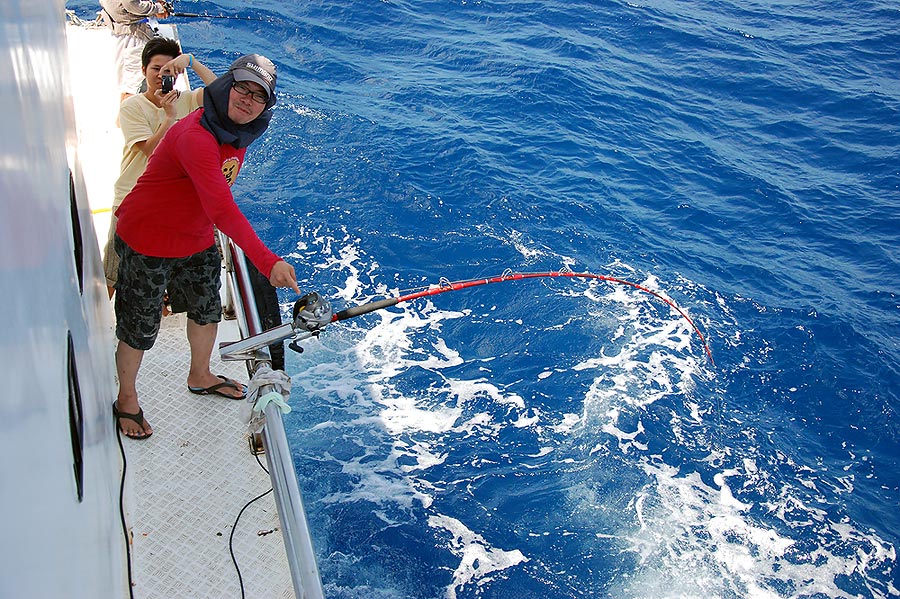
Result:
pixel 192 285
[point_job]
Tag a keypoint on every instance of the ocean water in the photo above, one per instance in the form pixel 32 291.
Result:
pixel 559 439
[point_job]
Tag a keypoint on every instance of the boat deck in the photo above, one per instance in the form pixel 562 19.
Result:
pixel 187 484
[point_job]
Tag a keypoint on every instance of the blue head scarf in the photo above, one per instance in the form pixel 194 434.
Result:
pixel 252 67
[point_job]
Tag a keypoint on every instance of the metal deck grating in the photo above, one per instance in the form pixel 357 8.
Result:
pixel 188 483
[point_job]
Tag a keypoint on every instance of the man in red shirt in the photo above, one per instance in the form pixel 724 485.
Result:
pixel 165 237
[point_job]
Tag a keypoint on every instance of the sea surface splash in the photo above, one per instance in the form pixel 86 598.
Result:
pixel 583 451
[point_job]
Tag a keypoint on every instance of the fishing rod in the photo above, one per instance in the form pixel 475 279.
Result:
pixel 192 15
pixel 170 10
pixel 312 313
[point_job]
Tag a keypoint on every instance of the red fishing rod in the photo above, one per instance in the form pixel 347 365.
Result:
pixel 312 312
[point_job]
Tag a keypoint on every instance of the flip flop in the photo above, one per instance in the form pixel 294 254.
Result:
pixel 214 389
pixel 138 418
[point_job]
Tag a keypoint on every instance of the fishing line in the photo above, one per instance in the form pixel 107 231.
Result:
pixel 312 313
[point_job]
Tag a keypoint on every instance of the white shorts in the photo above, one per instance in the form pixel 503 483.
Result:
pixel 128 62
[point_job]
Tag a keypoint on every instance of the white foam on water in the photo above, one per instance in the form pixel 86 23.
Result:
pixel 468 390
pixel 373 483
pixel 517 240
pixel 697 540
pixel 478 560
pixel 694 539
pixel 568 422
pixel 306 112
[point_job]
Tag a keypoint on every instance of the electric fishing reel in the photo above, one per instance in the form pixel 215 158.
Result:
pixel 311 314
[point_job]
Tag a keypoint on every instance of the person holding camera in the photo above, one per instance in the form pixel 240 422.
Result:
pixel 130 22
pixel 144 120
pixel 165 235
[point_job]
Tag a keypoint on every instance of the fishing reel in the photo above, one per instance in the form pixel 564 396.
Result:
pixel 311 314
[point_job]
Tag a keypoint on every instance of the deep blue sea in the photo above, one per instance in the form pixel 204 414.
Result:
pixel 556 439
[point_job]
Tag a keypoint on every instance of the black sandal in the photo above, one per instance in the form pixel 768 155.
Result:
pixel 214 389
pixel 138 418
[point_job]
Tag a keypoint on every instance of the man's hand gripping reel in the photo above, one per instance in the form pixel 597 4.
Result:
pixel 311 314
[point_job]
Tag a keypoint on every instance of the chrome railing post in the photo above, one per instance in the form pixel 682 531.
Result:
pixel 295 530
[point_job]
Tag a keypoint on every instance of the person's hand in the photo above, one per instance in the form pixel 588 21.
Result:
pixel 167 102
pixel 283 275
pixel 177 65
pixel 161 12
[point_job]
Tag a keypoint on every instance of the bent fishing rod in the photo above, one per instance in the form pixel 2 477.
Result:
pixel 312 313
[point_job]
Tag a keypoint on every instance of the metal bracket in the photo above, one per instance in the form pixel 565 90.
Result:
pixel 256 444
pixel 246 349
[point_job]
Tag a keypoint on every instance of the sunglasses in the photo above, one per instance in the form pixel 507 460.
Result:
pixel 244 90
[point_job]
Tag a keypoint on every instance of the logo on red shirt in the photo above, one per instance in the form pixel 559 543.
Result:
pixel 230 169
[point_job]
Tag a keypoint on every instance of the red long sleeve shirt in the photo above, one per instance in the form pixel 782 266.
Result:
pixel 185 190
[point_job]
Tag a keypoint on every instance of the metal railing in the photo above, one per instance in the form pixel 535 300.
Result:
pixel 272 439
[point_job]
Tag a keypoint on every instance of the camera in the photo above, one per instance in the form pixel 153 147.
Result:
pixel 168 83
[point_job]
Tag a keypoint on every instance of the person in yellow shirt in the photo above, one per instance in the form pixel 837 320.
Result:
pixel 144 119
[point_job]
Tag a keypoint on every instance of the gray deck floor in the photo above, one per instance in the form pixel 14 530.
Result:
pixel 190 480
